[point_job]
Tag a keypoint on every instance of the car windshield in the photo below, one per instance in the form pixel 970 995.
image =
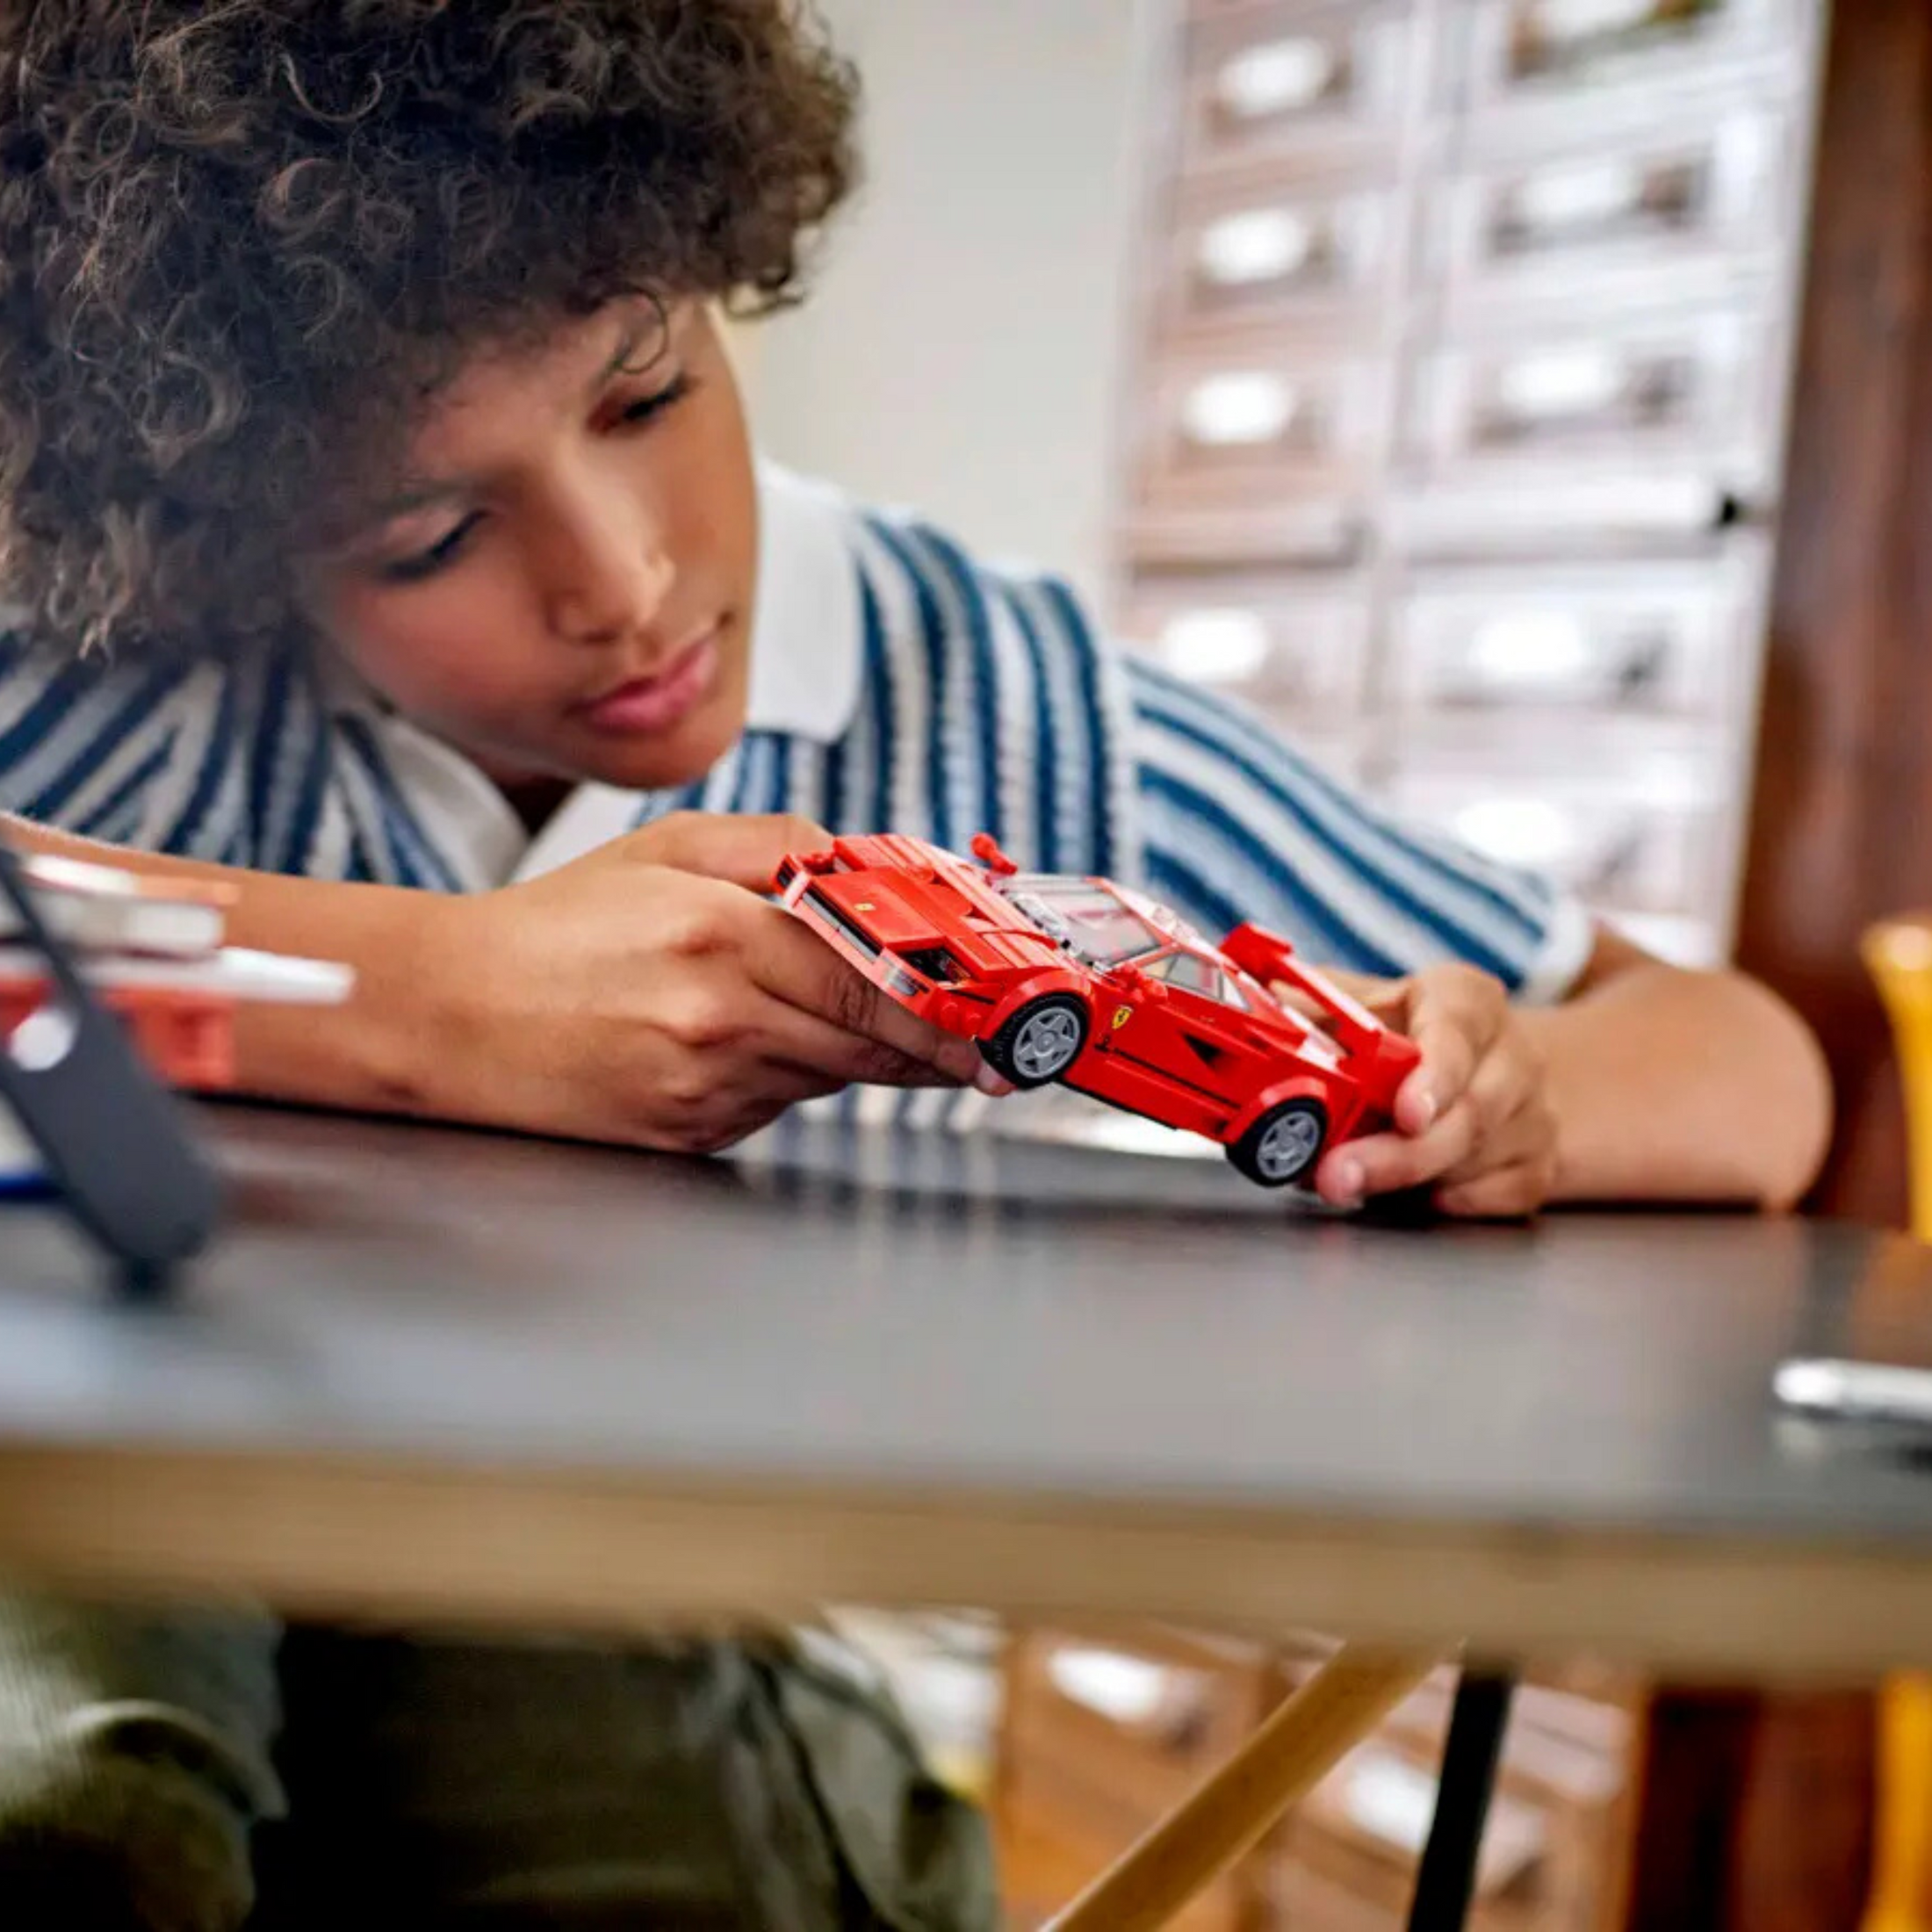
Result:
pixel 1094 923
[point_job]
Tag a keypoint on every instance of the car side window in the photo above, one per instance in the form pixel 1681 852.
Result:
pixel 1232 994
pixel 1189 972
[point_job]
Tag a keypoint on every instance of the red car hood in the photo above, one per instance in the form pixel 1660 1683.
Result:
pixel 922 898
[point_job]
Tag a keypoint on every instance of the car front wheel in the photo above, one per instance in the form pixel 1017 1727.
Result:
pixel 1040 1041
pixel 1284 1144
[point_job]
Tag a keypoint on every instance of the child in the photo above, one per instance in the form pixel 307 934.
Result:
pixel 385 529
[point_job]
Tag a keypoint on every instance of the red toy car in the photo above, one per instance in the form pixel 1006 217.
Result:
pixel 1087 983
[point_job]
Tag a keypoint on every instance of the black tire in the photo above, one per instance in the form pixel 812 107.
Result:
pixel 1040 1042
pixel 1284 1144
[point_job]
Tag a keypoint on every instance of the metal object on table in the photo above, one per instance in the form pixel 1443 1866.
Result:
pixel 113 1139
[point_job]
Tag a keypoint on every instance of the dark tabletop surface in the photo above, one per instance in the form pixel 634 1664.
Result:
pixel 924 1313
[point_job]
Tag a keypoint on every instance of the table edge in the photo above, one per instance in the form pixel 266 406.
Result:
pixel 420 1540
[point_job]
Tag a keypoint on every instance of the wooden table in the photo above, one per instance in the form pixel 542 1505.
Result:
pixel 454 1375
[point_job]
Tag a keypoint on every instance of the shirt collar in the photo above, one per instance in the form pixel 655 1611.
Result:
pixel 807 647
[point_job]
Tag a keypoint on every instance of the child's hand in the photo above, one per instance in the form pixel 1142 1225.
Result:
pixel 649 994
pixel 1473 1121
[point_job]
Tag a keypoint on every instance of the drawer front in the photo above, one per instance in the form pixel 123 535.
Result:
pixel 1677 640
pixel 1556 54
pixel 1101 1739
pixel 1302 87
pixel 1629 821
pixel 1049 1854
pixel 1294 650
pixel 1254 251
pixel 1129 1729
pixel 1257 448
pixel 1549 1857
pixel 1689 392
pixel 1703 209
pixel 1364 1826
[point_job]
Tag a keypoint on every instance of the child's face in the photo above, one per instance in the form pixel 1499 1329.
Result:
pixel 560 583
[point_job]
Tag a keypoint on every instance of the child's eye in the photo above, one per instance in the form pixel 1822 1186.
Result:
pixel 425 563
pixel 655 404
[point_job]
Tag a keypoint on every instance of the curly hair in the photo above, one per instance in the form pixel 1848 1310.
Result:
pixel 241 239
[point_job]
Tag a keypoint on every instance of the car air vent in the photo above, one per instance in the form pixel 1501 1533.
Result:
pixel 937 964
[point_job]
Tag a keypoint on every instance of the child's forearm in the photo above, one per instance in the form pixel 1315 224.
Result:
pixel 374 1054
pixel 1669 1085
pixel 644 994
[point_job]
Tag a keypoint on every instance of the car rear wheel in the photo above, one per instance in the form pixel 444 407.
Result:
pixel 1284 1144
pixel 1040 1041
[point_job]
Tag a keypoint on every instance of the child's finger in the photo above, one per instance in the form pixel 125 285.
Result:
pixel 742 851
pixel 1384 1164
pixel 805 1040
pixel 802 972
pixel 1503 1193
pixel 1456 1015
pixel 1527 1135
pixel 1388 999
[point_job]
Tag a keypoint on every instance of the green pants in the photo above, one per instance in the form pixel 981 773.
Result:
pixel 187 1773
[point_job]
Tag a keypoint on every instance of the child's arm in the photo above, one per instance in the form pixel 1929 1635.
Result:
pixel 1668 1084
pixel 1647 1082
pixel 645 994
pixel 1642 1083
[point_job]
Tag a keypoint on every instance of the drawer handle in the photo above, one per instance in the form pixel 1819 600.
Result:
pixel 1240 407
pixel 1255 246
pixel 1278 77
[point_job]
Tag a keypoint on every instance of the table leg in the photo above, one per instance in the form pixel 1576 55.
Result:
pixel 1333 1712
pixel 1446 1882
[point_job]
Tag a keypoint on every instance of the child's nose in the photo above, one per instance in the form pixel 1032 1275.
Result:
pixel 612 581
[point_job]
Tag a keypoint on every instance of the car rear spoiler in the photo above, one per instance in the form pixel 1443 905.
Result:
pixel 1271 960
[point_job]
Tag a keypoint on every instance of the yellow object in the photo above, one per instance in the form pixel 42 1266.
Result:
pixel 1899 957
pixel 1333 1712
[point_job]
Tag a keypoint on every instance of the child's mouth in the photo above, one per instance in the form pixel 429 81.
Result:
pixel 656 703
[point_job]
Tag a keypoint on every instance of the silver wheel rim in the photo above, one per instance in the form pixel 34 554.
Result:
pixel 1289 1145
pixel 1046 1044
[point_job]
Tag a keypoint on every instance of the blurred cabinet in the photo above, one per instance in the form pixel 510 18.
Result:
pixel 1294 87
pixel 1454 416
pixel 1103 1734
pixel 1101 1737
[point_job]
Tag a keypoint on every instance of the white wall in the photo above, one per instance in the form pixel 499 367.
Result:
pixel 960 351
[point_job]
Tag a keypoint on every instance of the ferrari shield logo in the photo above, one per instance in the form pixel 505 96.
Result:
pixel 1121 1016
